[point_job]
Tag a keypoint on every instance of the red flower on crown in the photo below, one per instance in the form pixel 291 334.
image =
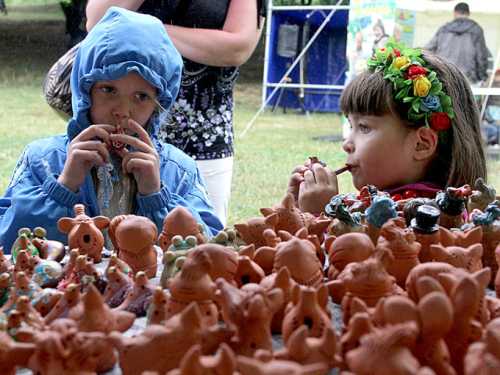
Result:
pixel 440 121
pixel 415 71
pixel 396 52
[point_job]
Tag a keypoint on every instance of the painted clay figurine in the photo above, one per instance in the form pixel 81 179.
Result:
pixel 381 209
pixel 426 229
pixel 452 203
pixel 180 222
pixel 138 296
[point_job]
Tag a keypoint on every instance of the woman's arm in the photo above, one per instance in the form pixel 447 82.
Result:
pixel 96 9
pixel 231 46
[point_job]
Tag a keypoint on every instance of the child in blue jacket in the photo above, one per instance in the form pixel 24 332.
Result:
pixel 125 73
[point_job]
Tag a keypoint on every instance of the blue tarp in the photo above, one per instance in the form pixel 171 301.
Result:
pixel 325 60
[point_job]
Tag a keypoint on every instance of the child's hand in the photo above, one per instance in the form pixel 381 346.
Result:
pixel 86 150
pixel 143 162
pixel 295 181
pixel 317 188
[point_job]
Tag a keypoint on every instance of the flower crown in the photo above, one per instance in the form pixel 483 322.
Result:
pixel 414 84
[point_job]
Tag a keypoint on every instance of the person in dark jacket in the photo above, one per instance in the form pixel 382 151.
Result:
pixel 462 42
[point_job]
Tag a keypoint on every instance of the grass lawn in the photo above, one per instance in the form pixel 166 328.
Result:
pixel 33 38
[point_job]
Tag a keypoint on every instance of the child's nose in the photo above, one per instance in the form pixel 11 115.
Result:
pixel 121 111
pixel 348 145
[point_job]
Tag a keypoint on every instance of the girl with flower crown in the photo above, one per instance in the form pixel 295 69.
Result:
pixel 414 130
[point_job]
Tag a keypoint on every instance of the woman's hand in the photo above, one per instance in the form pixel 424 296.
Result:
pixel 142 161
pixel 318 187
pixel 88 149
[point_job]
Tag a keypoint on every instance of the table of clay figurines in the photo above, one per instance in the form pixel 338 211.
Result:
pixel 140 323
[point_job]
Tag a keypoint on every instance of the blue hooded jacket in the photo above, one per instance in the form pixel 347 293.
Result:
pixel 122 42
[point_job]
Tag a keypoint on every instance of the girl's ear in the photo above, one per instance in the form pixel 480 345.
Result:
pixel 426 140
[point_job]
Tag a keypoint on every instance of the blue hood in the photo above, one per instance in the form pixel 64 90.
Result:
pixel 124 42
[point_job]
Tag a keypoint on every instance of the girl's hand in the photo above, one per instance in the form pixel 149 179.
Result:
pixel 318 187
pixel 143 162
pixel 86 150
pixel 296 179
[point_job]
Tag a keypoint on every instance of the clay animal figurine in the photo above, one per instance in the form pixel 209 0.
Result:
pixel 194 284
pixel 23 286
pixel 194 363
pixel 434 317
pixel 23 242
pixel 310 350
pixel 381 209
pixel 138 296
pixel 251 232
pixel 452 203
pixel 410 208
pixel 5 264
pixel 252 366
pixel 464 238
pixel 460 257
pixel 25 262
pixel 283 281
pixel 114 261
pixel 482 195
pixel 483 357
pixel 299 256
pixel 249 314
pixel 5 286
pixel 386 351
pixel 174 257
pixel 47 273
pixel 308 307
pixel 291 219
pixel 63 350
pixel 490 223
pixel 248 272
pixel 426 229
pixel 400 241
pixel 94 315
pixel 133 238
pixel 143 352
pixel 46 300
pixel 49 249
pixel 367 280
pixel 84 232
pixel 13 354
pixel 343 220
pixel 69 299
pixel 180 222
pixel 157 310
pixel 224 260
pixel 117 288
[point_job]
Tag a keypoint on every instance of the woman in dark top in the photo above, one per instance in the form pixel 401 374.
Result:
pixel 214 38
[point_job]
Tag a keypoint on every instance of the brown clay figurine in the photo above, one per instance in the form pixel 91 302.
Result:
pixel 5 264
pixel 138 296
pixel 49 249
pixel 146 351
pixel 133 238
pixel 194 363
pixel 13 354
pixel 84 232
pixel 482 195
pixel 117 288
pixel 308 307
pixel 70 299
pixel 348 248
pixel 483 357
pixel 157 310
pixel 400 241
pixel 460 257
pixel 194 284
pixel 299 256
pixel 94 315
pixel 180 222
pixel 252 232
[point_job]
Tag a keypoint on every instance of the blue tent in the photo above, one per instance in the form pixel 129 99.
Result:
pixel 324 63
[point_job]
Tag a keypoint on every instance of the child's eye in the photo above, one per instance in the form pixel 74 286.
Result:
pixel 142 96
pixel 363 128
pixel 107 89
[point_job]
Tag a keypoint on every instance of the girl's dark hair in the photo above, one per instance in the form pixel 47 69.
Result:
pixel 459 156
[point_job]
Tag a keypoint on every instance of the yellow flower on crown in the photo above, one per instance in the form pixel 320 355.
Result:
pixel 401 62
pixel 421 86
